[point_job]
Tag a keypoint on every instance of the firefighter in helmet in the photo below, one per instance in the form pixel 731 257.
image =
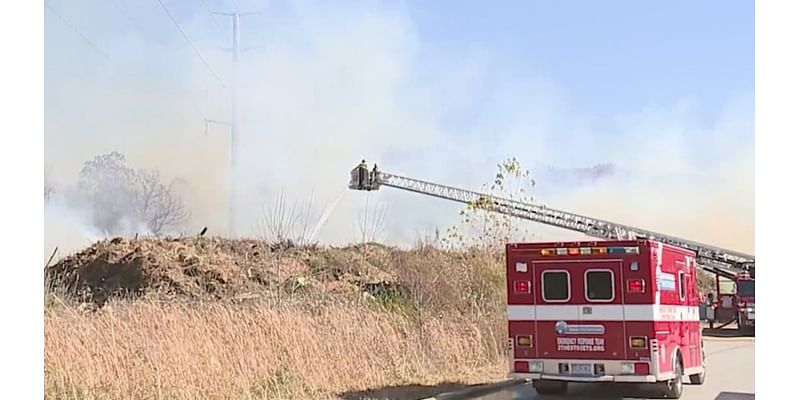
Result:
pixel 363 172
pixel 373 176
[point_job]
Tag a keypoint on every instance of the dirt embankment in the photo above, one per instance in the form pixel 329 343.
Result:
pixel 218 268
pixel 221 269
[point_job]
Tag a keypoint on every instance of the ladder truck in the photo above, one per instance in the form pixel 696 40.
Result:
pixel 733 265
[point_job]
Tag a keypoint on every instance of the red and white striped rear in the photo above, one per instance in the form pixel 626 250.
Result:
pixel 601 311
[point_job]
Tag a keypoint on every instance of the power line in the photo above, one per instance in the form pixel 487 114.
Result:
pixel 79 33
pixel 189 41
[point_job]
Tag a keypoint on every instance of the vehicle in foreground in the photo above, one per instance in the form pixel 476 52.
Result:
pixel 603 311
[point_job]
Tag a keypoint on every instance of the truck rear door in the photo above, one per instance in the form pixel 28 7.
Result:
pixel 581 314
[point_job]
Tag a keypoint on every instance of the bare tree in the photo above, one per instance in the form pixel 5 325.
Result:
pixel 372 222
pixel 125 200
pixel 157 204
pixel 290 223
pixel 278 220
pixel 485 229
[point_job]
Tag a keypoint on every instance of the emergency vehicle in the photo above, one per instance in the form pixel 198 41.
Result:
pixel 612 311
pixel 737 306
pixel 660 271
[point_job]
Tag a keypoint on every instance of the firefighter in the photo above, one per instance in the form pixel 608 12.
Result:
pixel 363 171
pixel 701 305
pixel 373 176
pixel 710 310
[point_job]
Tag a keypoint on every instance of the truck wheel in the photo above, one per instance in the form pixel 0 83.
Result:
pixel 550 387
pixel 673 388
pixel 699 378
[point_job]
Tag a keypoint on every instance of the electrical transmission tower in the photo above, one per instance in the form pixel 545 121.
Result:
pixel 234 121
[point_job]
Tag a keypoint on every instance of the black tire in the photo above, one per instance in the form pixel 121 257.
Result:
pixel 550 387
pixel 699 378
pixel 673 388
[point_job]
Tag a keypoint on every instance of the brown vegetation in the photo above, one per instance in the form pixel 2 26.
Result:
pixel 216 318
pixel 217 351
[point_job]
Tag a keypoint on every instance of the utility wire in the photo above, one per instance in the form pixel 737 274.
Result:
pixel 189 41
pixel 79 33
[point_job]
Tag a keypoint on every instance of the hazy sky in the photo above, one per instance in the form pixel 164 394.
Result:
pixel 435 89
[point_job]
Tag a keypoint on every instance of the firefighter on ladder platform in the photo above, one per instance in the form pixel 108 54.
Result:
pixel 373 176
pixel 363 173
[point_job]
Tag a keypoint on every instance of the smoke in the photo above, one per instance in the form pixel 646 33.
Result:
pixel 66 228
pixel 326 86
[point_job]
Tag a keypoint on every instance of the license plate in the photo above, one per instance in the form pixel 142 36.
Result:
pixel 580 369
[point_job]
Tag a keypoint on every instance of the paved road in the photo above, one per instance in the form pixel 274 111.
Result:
pixel 730 376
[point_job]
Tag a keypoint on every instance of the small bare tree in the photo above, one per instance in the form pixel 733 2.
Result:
pixel 372 222
pixel 286 225
pixel 290 223
pixel 123 199
pixel 485 229
pixel 157 203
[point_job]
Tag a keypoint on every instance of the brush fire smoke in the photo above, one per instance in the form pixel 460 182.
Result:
pixel 329 85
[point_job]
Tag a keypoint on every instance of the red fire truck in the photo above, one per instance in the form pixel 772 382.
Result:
pixel 738 306
pixel 614 311
pixel 631 311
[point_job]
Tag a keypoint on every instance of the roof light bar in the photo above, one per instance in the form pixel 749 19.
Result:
pixel 575 251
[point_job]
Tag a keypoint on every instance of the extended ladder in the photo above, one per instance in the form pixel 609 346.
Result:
pixel 711 258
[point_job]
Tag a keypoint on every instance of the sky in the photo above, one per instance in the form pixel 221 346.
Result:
pixel 441 91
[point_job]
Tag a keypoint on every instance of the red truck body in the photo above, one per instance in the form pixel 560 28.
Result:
pixel 739 306
pixel 746 302
pixel 603 311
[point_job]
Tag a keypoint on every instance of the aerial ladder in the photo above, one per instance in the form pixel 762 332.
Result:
pixel 718 261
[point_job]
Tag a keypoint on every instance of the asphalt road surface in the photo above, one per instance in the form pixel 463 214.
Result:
pixel 730 376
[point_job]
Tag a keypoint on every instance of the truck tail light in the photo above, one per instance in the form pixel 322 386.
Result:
pixel 641 368
pixel 522 287
pixel 524 341
pixel 635 285
pixel 520 366
pixel 638 342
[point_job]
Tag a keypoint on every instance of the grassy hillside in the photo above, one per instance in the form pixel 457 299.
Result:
pixel 215 318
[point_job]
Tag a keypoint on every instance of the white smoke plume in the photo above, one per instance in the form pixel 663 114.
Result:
pixel 329 85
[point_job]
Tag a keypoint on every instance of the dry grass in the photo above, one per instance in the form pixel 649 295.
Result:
pixel 256 336
pixel 146 350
